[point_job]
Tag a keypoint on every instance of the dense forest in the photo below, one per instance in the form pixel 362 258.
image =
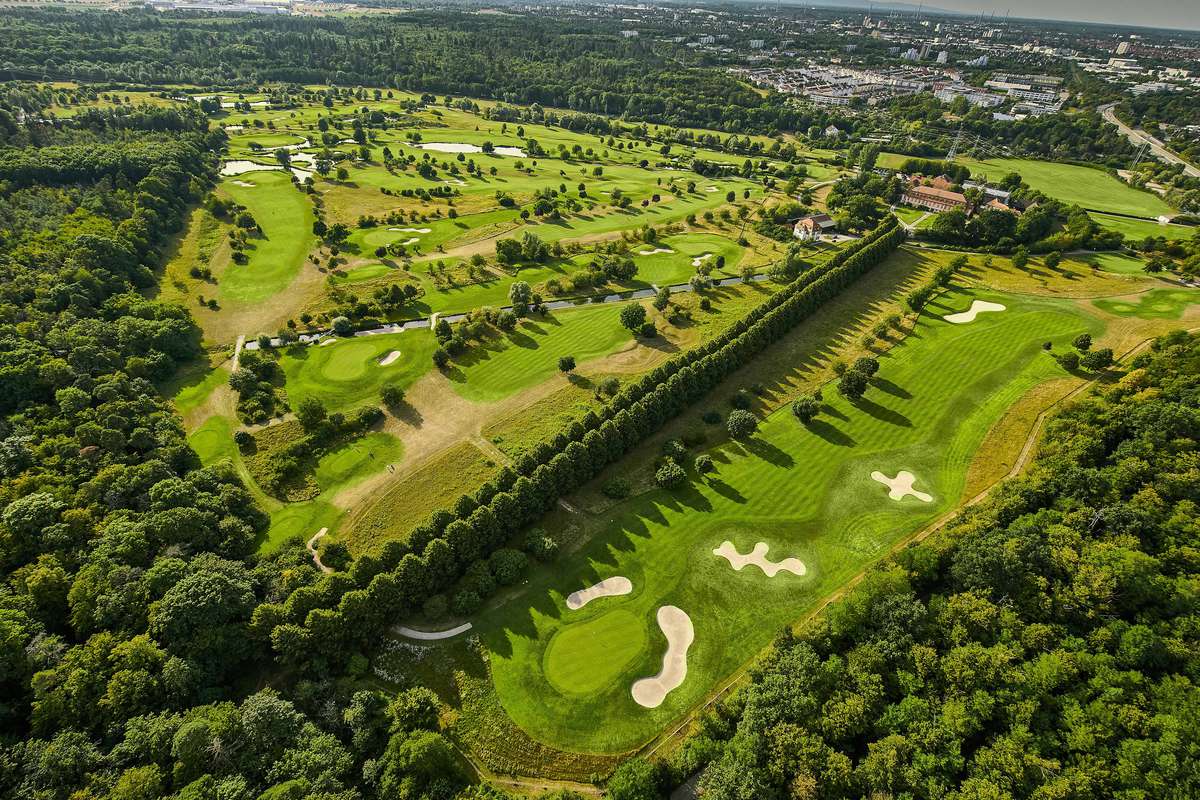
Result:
pixel 1042 646
pixel 576 64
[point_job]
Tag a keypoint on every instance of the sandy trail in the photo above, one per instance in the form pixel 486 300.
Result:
pixel 758 557
pixel 609 587
pixel 977 307
pixel 433 636
pixel 312 549
pixel 390 358
pixel 901 486
pixel 677 627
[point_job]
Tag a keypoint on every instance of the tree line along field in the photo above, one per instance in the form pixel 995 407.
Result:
pixel 562 676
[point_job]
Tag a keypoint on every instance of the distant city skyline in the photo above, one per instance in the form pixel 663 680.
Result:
pixel 1145 13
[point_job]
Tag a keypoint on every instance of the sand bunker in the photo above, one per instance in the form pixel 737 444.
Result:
pixel 389 358
pixel 433 636
pixel 700 259
pixel 241 167
pixel 655 251
pixel 977 308
pixel 609 587
pixel 327 341
pixel 758 557
pixel 410 242
pixel 460 147
pixel 901 486
pixel 410 230
pixel 711 189
pixel 677 627
pixel 246 184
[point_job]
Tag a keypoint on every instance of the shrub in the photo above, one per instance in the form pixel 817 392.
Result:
pixel 342 326
pixel 566 364
pixel 435 606
pixel 507 565
pixel 391 395
pixel 670 475
pixel 648 331
pixel 852 384
pixel 866 365
pixel 704 464
pixel 806 409
pixel 1096 360
pixel 674 449
pixel 1082 342
pixel 741 424
pixel 617 489
pixel 539 545
pixel 1068 360
pixel 633 316
pixel 243 440
pixel 465 602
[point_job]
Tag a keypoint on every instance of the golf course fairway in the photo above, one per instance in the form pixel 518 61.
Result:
pixel 565 676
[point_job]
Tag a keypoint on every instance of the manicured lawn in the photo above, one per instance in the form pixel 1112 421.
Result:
pixel 688 252
pixel 1119 263
pixel 348 374
pixel 1136 230
pixel 285 217
pixel 1154 304
pixel 1088 187
pixel 805 491
pixel 529 354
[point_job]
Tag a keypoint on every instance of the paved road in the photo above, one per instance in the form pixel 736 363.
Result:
pixel 1139 137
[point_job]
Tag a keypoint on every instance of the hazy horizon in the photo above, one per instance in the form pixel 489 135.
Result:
pixel 1147 14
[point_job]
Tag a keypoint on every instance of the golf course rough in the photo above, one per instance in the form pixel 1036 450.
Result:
pixel 805 489
pixel 758 558
pixel 677 627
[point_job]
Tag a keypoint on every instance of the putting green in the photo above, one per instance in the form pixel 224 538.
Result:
pixel 688 253
pixel 587 656
pixel 1154 304
pixel 807 490
pixel 348 373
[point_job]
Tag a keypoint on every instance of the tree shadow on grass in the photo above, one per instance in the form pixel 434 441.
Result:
pixel 831 434
pixel 883 413
pixel 886 386
pixel 407 413
pixel 770 453
pixel 725 490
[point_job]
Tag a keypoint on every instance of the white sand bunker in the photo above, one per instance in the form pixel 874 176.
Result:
pixel 711 189
pixel 655 251
pixel 609 587
pixel 410 230
pixel 246 184
pixel 977 308
pixel 433 636
pixel 700 259
pixel 327 342
pixel 758 557
pixel 389 358
pixel 677 627
pixel 901 486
